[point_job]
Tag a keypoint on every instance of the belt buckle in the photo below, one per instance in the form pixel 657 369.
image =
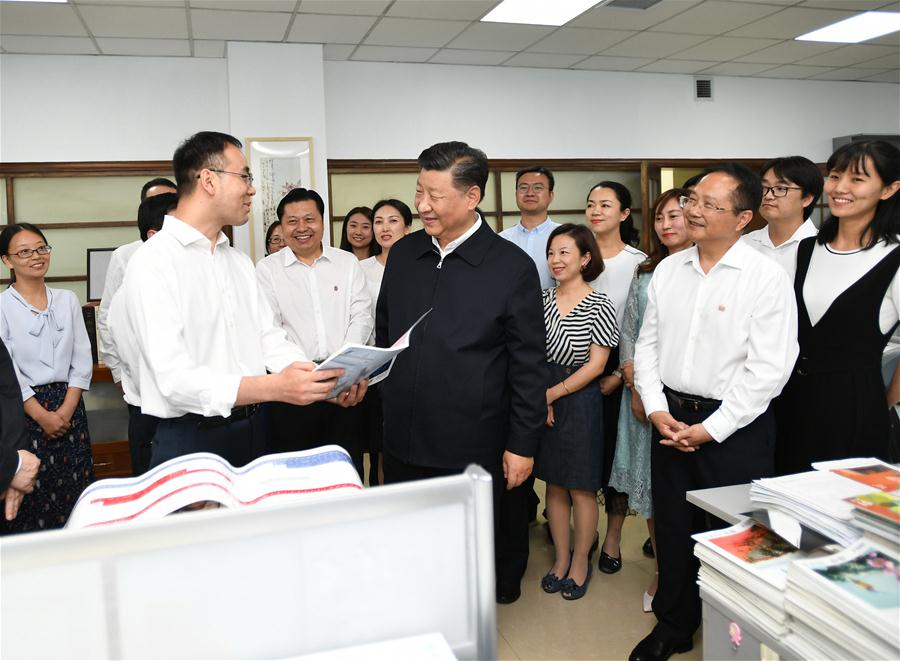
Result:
pixel 695 405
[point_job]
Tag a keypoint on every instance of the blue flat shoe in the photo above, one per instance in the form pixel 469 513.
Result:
pixel 572 591
pixel 551 583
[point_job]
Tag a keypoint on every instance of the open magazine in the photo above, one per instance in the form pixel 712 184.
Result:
pixel 202 479
pixel 360 361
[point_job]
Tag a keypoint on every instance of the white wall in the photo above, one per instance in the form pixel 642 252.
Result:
pixel 396 110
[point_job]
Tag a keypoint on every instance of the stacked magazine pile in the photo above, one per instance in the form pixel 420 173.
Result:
pixel 845 605
pixel 203 480
pixel 818 500
pixel 877 512
pixel 745 567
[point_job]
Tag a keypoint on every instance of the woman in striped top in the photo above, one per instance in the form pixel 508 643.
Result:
pixel 581 328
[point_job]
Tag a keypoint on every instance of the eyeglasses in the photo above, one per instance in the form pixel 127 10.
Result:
pixel 276 240
pixel 779 191
pixel 684 202
pixel 246 176
pixel 28 252
pixel 535 188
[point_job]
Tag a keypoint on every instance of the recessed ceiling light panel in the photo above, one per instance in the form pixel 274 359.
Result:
pixel 855 29
pixel 538 12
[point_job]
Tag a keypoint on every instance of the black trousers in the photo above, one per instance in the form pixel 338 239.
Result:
pixel 510 516
pixel 141 428
pixel 233 440
pixel 746 455
pixel 293 428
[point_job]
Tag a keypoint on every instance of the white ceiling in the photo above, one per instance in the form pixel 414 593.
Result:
pixel 721 37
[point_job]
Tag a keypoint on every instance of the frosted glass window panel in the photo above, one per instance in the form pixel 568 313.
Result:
pixel 79 288
pixel 70 246
pixel 42 200
pixel 3 216
pixel 364 190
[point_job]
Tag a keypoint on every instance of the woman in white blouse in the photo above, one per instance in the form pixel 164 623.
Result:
pixel 392 220
pixel 44 331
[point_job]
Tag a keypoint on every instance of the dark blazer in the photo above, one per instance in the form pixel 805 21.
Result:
pixel 473 381
pixel 13 431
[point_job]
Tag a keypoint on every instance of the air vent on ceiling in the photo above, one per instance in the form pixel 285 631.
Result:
pixel 703 89
pixel 631 4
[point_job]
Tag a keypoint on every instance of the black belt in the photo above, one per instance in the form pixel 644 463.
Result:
pixel 238 413
pixel 693 403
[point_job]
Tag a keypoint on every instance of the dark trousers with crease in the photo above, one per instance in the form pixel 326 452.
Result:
pixel 746 455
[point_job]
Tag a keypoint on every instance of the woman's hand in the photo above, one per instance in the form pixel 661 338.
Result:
pixel 628 374
pixel 550 418
pixel 637 407
pixel 53 424
pixel 609 384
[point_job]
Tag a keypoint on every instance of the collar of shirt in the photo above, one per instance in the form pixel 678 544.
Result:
pixel 805 230
pixel 546 226
pixel 736 258
pixel 456 243
pixel 288 257
pixel 187 234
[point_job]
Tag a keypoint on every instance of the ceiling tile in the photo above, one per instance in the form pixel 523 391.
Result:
pixel 654 44
pixel 846 56
pixel 135 22
pixel 347 7
pixel 145 3
pixel 675 66
pixel 724 48
pixel 484 57
pixel 248 5
pixel 892 39
pixel 238 25
pixel 847 73
pixel 38 19
pixel 334 29
pixel 211 48
pixel 469 10
pixel 736 69
pixel 852 5
pixel 886 62
pixel 393 54
pixel 787 52
pixel 116 46
pixel 337 51
pixel 713 18
pixel 414 32
pixel 48 45
pixel 793 71
pixel 605 63
pixel 543 60
pixel 886 77
pixel 579 41
pixel 790 23
pixel 630 19
pixel 500 36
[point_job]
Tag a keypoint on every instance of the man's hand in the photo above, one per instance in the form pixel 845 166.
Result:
pixel 13 500
pixel 665 424
pixel 516 468
pixel 24 480
pixel 689 439
pixel 301 385
pixel 353 396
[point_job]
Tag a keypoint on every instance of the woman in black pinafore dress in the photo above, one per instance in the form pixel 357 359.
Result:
pixel 834 405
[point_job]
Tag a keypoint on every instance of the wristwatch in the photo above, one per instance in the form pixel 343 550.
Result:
pixel 618 373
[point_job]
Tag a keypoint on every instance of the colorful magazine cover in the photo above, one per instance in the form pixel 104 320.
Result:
pixel 872 577
pixel 878 475
pixel 754 544
pixel 883 505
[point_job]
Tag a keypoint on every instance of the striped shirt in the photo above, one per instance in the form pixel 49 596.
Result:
pixel 569 338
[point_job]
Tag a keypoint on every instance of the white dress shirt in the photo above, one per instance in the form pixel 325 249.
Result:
pixel 198 324
pixel 730 334
pixel 616 278
pixel 534 242
pixel 321 306
pixel 374 272
pixel 786 253
pixel 46 346
pixel 456 243
pixel 115 274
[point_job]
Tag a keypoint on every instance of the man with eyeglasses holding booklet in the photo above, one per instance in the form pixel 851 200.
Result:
pixel 193 331
pixel 717 344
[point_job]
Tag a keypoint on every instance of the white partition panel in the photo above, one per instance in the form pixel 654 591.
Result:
pixel 330 572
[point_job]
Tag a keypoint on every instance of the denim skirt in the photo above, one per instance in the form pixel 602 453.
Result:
pixel 571 451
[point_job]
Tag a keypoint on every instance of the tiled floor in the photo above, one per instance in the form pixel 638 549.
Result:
pixel 605 624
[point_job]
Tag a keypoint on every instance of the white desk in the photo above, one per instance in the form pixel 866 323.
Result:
pixel 731 504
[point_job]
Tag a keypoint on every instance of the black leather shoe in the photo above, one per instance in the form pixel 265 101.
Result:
pixel 647 549
pixel 508 595
pixel 609 564
pixel 654 648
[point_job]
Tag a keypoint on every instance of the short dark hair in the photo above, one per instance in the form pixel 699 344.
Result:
pixel 657 251
pixel 11 230
pixel 269 233
pixel 202 150
pixel 587 245
pixel 801 171
pixel 300 195
pixel 374 248
pixel 152 212
pixel 467 165
pixel 885 157
pixel 537 169
pixel 627 231
pixel 404 210
pixel 159 181
pixel 747 196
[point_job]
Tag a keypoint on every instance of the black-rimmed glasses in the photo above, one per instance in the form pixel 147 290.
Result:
pixel 779 191
pixel 25 253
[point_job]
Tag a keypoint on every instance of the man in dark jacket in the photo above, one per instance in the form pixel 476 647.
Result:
pixel 18 466
pixel 471 388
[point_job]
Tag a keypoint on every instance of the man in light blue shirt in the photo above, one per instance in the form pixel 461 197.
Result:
pixel 534 193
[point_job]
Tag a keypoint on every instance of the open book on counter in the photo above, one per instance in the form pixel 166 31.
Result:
pixel 203 480
pixel 360 361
